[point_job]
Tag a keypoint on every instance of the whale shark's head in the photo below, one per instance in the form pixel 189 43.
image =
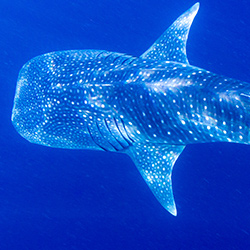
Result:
pixel 49 105
pixel 61 95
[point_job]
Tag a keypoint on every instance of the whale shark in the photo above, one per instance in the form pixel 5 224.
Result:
pixel 148 107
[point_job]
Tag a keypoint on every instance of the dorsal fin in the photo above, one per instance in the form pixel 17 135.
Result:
pixel 171 45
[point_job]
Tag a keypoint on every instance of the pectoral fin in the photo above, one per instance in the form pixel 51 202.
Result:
pixel 155 163
pixel 171 45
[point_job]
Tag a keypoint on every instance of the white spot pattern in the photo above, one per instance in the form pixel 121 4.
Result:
pixel 149 107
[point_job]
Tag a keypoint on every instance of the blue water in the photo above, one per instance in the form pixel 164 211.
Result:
pixel 65 199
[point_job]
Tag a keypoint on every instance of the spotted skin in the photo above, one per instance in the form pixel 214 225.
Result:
pixel 148 107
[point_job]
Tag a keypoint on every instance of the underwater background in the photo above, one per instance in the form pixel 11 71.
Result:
pixel 72 199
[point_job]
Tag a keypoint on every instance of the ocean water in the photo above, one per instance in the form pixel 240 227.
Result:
pixel 69 199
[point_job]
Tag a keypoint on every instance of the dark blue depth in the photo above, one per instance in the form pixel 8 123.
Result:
pixel 63 199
